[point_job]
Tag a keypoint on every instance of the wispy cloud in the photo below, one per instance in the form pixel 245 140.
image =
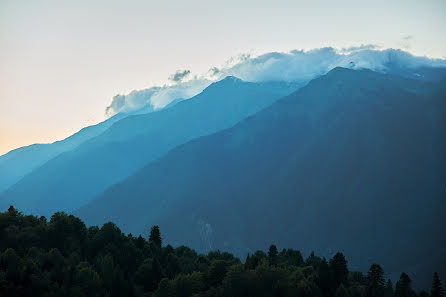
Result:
pixel 352 49
pixel 405 42
pixel 179 76
pixel 297 65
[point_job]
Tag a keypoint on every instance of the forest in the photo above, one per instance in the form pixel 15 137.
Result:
pixel 63 257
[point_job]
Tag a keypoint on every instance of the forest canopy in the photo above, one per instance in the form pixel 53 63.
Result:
pixel 64 257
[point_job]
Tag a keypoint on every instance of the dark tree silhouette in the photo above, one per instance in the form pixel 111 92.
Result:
pixel 338 266
pixel 155 237
pixel 325 280
pixel 403 286
pixel 272 254
pixel 375 281
pixel 388 291
pixel 437 289
pixel 62 257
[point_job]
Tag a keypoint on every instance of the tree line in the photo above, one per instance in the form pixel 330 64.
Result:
pixel 62 257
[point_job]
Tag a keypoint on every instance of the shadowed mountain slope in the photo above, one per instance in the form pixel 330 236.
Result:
pixel 354 161
pixel 73 178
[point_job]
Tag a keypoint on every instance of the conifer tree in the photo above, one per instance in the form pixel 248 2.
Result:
pixel 403 286
pixel 155 237
pixel 338 266
pixel 247 262
pixel 437 289
pixel 375 281
pixel 388 291
pixel 325 279
pixel 342 291
pixel 272 254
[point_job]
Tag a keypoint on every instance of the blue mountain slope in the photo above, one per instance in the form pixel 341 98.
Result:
pixel 352 162
pixel 73 178
pixel 19 162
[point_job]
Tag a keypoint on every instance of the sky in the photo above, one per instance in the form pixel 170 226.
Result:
pixel 62 62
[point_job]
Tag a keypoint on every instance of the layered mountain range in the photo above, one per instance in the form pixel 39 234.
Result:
pixel 74 177
pixel 353 161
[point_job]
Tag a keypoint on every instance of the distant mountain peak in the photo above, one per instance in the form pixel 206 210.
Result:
pixel 339 69
pixel 232 78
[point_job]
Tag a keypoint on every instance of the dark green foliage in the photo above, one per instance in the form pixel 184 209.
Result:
pixel 325 279
pixel 155 237
pixel 388 291
pixel 366 139
pixel 272 255
pixel 437 289
pixel 61 257
pixel 313 260
pixel 403 286
pixel 342 291
pixel 375 281
pixel 338 265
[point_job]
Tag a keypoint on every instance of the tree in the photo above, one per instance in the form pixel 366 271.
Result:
pixel 88 279
pixel 375 281
pixel 437 289
pixel 247 262
pixel 12 211
pixel 338 266
pixel 148 274
pixel 217 272
pixel 388 291
pixel 272 255
pixel 403 286
pixel 313 260
pixel 291 257
pixel 324 280
pixel 341 291
pixel 155 237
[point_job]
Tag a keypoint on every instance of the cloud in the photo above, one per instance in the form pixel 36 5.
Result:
pixel 132 101
pixel 156 97
pixel 351 49
pixel 294 66
pixel 179 76
pixel 405 42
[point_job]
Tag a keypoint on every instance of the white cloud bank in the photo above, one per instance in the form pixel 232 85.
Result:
pixel 296 65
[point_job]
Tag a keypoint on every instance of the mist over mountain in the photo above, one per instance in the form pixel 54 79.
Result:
pixel 236 159
pixel 294 66
pixel 354 161
pixel 71 179
pixel 19 162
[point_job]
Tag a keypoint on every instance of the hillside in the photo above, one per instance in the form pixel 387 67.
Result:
pixel 71 179
pixel 62 257
pixel 354 159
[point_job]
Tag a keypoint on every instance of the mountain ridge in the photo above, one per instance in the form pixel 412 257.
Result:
pixel 351 142
pixel 136 140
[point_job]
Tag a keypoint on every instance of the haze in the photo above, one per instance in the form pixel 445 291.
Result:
pixel 62 62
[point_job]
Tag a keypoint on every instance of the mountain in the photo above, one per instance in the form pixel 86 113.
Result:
pixel 19 162
pixel 71 179
pixel 352 162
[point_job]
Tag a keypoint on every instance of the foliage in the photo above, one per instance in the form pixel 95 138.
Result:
pixel 62 257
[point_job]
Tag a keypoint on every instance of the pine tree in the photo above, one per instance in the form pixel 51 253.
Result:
pixel 272 254
pixel 342 291
pixel 437 289
pixel 403 287
pixel 388 291
pixel 375 281
pixel 338 266
pixel 12 211
pixel 155 237
pixel 324 280
pixel 248 262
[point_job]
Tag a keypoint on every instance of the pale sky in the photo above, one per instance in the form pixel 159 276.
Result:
pixel 61 62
